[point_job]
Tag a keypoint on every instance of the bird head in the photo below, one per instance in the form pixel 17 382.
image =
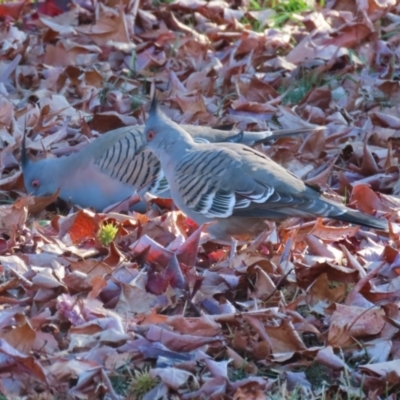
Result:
pixel 161 133
pixel 38 176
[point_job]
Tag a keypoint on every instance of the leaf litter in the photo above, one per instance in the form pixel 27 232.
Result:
pixel 120 306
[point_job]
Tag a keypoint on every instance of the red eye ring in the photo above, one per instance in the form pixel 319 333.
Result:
pixel 150 135
pixel 35 183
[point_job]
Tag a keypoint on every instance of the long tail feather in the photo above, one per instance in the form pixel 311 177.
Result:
pixel 358 218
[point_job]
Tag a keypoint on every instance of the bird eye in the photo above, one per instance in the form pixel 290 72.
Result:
pixel 35 183
pixel 150 135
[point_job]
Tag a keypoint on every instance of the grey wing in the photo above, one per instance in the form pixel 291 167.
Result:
pixel 279 204
pixel 121 161
pixel 218 183
pixel 212 183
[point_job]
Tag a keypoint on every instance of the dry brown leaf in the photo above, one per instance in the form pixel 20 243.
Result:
pixel 350 322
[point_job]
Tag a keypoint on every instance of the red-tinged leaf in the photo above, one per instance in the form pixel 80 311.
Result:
pixel 217 256
pixel 349 36
pixel 40 203
pixel 69 369
pixel 263 285
pixel 254 89
pixel 155 252
pixel 211 387
pixel 52 8
pixel 21 338
pixel 172 377
pixel 157 282
pixel 202 325
pixel 12 10
pixel 174 274
pixel 383 369
pixel 134 300
pixel 20 362
pixel 187 252
pixel 306 276
pixel 99 325
pixel 366 200
pixel 115 255
pixel 327 357
pixel 318 97
pixel 152 318
pixel 350 322
pixel 84 226
pixel 177 342
pixel 108 27
pixel 3 246
pixel 332 233
pixel 91 268
pixel 321 290
pixel 319 248
pixel 250 390
pixel 163 203
pixel 283 338
pixel 98 284
pixel 106 121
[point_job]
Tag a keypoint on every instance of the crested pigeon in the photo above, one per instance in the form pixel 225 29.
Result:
pixel 108 170
pixel 234 186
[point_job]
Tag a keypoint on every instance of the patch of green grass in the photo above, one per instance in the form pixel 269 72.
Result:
pixel 318 375
pixel 104 92
pixel 256 5
pixel 256 25
pixel 349 288
pixel 388 35
pixel 136 100
pixel 120 383
pixel 7 201
pixel 236 374
pixel 173 50
pixel 296 91
pixel 132 65
pixel 286 8
pixel 157 3
pixel 375 97
pixel 304 310
pixel 334 284
pixel 282 393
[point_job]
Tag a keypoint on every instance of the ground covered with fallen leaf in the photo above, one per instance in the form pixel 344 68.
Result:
pixel 114 306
